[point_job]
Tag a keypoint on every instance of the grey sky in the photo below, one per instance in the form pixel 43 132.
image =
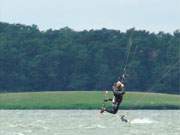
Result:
pixel 152 15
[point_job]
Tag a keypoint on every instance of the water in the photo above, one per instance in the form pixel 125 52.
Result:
pixel 85 122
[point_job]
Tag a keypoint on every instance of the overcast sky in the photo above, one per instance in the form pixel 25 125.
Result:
pixel 152 15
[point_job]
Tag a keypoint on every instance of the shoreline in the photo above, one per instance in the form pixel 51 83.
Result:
pixel 86 100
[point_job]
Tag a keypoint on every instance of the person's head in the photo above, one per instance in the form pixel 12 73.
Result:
pixel 119 85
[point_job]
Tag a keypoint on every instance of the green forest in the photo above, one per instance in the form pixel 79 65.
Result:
pixel 65 59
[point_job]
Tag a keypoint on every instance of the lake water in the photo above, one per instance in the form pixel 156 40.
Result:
pixel 85 122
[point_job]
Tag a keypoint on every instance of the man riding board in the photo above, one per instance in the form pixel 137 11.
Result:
pixel 118 92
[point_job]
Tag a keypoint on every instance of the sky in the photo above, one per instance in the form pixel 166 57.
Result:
pixel 151 15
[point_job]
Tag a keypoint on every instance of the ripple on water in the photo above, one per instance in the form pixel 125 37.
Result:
pixel 93 126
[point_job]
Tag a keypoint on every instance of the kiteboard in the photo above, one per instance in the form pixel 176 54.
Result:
pixel 124 119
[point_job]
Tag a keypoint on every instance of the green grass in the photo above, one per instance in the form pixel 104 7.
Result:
pixel 85 100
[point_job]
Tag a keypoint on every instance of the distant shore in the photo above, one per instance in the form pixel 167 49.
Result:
pixel 86 100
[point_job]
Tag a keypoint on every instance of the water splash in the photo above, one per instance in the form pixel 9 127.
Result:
pixel 142 121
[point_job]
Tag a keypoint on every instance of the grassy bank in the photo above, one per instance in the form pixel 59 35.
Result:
pixel 85 100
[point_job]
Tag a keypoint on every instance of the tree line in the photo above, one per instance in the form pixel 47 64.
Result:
pixel 64 59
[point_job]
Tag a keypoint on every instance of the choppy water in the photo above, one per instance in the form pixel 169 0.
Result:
pixel 85 122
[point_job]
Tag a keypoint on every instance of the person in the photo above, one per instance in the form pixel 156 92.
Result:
pixel 118 91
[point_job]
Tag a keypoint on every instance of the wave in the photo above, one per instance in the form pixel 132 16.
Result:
pixel 92 126
pixel 142 121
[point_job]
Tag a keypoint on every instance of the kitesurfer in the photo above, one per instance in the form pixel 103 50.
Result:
pixel 118 91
